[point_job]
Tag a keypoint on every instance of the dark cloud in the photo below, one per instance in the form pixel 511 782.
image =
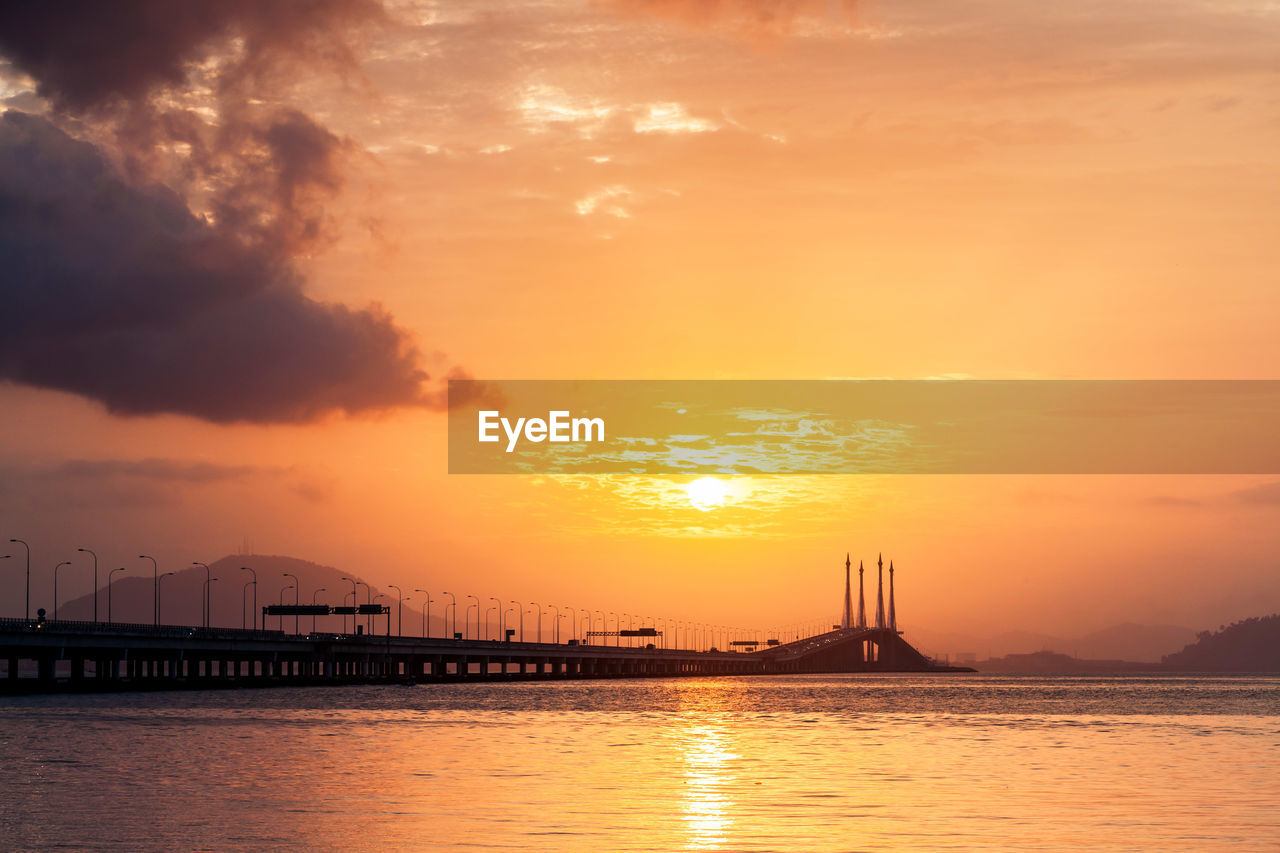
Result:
pixel 87 54
pixel 121 294
pixel 153 267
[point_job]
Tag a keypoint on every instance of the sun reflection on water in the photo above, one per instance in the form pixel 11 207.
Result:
pixel 708 784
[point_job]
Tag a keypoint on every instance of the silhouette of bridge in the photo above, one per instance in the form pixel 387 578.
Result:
pixel 75 655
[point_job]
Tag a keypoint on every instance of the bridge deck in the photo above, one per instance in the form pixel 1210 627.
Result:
pixel 100 656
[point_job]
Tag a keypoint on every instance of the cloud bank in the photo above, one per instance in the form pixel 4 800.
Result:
pixel 163 282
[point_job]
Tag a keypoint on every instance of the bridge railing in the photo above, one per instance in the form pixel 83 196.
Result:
pixel 81 627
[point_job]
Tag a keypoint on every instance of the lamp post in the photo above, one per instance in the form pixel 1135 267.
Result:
pixel 155 590
pixel 353 601
pixel 500 618
pixel 280 617
pixel 109 574
pixel 297 587
pixel 511 610
pixel 519 608
pixel 158 579
pixel 399 609
pixel 486 621
pixel 368 592
pixel 313 602
pixel 95 581
pixel 208 598
pixel 467 614
pixel 603 621
pixel 244 592
pixel 283 589
pixel 453 603
pixel 426 611
pixel 573 621
pixel 205 601
pixel 254 582
pixel 556 631
pixel 55 587
pixel 27 617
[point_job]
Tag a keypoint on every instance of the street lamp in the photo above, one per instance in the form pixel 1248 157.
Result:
pixel 55 587
pixel 453 604
pixel 207 578
pixel 368 592
pixel 501 623
pixel 467 614
pixel 155 591
pixel 158 579
pixel 297 587
pixel 109 574
pixel 556 630
pixel 313 602
pixel 255 598
pixel 353 602
pixel 539 606
pixel 603 621
pixel 95 582
pixel 519 608
pixel 283 589
pixel 28 547
pixel 399 609
pixel 282 592
pixel 208 597
pixel 426 611
pixel 244 591
pixel 487 611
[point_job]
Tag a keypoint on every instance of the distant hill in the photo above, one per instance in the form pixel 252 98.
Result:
pixel 1249 646
pixel 1132 642
pixel 1127 641
pixel 1045 661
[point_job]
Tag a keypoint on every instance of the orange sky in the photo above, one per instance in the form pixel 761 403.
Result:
pixel 746 190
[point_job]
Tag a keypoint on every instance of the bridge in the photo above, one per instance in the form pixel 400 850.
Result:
pixel 96 656
pixel 43 656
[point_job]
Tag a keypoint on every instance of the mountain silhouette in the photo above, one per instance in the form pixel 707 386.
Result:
pixel 1127 641
pixel 1252 645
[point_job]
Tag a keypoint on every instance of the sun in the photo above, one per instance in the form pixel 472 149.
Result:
pixel 707 493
